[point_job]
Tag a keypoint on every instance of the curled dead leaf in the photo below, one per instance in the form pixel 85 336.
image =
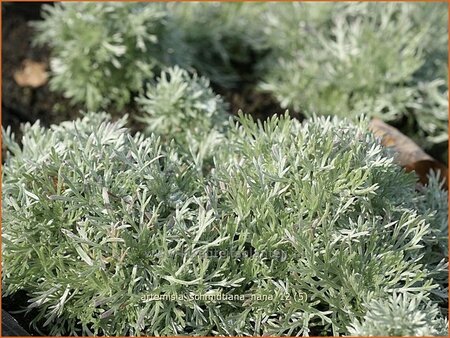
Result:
pixel 32 74
pixel 408 154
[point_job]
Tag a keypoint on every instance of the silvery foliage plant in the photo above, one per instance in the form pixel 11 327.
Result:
pixel 311 226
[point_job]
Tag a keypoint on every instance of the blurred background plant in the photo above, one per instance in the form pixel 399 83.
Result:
pixel 382 60
pixel 226 40
pixel 103 52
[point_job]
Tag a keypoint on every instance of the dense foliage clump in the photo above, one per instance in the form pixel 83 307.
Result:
pixel 298 229
pixel 327 195
pixel 84 204
pixel 103 52
pixel 382 60
pixel 207 224
pixel 183 107
pixel 401 315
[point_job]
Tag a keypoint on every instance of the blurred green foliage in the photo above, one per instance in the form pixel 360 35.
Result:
pixel 386 60
pixel 378 59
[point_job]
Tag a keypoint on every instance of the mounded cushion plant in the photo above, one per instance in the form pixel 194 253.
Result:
pixel 103 52
pixel 182 107
pixel 347 59
pixel 95 201
pixel 401 315
pixel 348 219
pixel 314 223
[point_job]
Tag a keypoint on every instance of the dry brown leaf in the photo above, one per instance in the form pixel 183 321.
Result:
pixel 32 74
pixel 408 154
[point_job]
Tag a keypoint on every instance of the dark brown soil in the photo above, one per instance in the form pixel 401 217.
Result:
pixel 25 104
